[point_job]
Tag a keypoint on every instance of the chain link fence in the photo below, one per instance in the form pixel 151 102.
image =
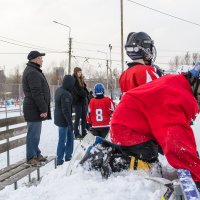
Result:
pixel 11 98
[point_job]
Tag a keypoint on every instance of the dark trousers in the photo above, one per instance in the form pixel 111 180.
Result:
pixel 102 132
pixel 65 145
pixel 147 151
pixel 33 139
pixel 80 113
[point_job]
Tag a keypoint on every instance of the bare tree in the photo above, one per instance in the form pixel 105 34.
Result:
pixel 3 80
pixel 2 75
pixel 14 79
pixel 187 58
pixel 175 63
pixel 63 64
pixel 195 57
pixel 116 74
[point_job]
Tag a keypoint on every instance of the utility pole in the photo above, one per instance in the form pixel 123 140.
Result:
pixel 122 36
pixel 107 74
pixel 70 54
pixel 107 67
pixel 70 45
pixel 110 47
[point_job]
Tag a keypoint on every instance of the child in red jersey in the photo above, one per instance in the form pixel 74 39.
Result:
pixel 99 112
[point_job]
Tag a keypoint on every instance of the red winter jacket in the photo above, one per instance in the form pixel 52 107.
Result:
pixel 136 75
pixel 161 110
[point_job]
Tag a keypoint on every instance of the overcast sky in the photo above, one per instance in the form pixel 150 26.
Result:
pixel 94 25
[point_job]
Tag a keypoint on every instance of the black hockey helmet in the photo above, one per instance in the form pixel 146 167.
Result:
pixel 140 46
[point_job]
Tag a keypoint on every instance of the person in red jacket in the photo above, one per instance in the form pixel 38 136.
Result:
pixel 160 112
pixel 100 110
pixel 140 48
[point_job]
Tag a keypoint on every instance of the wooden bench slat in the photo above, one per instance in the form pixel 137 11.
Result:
pixel 22 173
pixel 17 177
pixel 12 172
pixel 13 132
pixel 19 170
pixel 10 167
pixel 11 121
pixel 12 144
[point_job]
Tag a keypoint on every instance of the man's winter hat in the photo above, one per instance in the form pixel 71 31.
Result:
pixel 195 70
pixel 34 54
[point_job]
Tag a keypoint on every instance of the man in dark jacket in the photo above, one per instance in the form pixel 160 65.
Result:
pixel 36 105
pixel 63 119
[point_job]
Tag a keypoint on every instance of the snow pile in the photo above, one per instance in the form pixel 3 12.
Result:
pixel 86 185
pixel 83 185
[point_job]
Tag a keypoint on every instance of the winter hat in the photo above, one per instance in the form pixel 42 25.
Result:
pixel 34 54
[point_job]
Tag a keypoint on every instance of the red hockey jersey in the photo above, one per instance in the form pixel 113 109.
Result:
pixel 160 110
pixel 99 112
pixel 135 76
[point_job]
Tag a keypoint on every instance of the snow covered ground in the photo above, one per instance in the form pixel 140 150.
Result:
pixel 83 185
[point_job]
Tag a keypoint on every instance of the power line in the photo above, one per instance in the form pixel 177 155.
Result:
pixel 97 51
pixel 64 52
pixel 87 43
pixel 92 58
pixel 27 43
pixel 26 46
pixel 180 51
pixel 59 51
pixel 85 49
pixel 11 53
pixel 30 47
pixel 160 50
pixel 164 13
pixel 96 44
pixel 76 61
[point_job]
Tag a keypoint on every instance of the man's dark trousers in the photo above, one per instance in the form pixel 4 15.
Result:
pixel 33 139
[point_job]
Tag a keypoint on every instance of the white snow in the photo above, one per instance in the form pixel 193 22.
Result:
pixel 83 185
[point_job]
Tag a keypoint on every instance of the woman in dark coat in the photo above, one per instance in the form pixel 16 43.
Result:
pixel 80 102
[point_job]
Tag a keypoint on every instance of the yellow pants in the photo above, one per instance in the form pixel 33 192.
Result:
pixel 136 164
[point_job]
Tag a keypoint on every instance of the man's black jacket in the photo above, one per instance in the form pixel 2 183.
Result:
pixel 37 93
